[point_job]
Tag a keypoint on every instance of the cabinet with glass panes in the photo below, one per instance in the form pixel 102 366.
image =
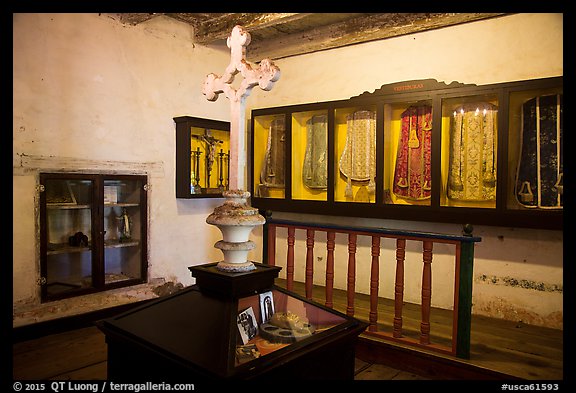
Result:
pixel 419 150
pixel 92 233
pixel 202 157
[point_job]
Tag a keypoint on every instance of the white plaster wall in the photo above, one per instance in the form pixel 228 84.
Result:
pixel 510 48
pixel 89 91
pixel 88 87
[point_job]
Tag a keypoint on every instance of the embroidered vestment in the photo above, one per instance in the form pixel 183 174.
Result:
pixel 539 177
pixel 472 158
pixel 358 159
pixel 412 177
pixel 315 167
pixel 273 173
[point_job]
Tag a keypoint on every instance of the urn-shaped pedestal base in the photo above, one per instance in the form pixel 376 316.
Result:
pixel 236 220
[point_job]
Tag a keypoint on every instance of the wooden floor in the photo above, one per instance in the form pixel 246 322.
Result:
pixel 499 349
pixel 81 355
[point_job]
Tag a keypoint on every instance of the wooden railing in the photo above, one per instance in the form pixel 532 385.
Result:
pixel 463 260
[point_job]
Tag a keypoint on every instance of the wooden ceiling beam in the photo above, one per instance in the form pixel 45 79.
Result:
pixel 357 30
pixel 211 30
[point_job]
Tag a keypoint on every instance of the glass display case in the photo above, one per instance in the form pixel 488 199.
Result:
pixel 408 152
pixel 310 155
pixel 93 233
pixel 232 326
pixel 202 157
pixel 269 156
pixel 422 150
pixel 355 152
pixel 469 151
pixel 535 149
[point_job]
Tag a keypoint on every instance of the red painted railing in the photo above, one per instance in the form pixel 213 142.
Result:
pixel 463 260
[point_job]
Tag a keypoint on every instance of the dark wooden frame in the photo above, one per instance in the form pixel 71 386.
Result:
pixel 434 91
pixel 97 233
pixel 183 152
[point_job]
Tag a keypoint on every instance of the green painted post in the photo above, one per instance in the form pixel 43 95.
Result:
pixel 465 295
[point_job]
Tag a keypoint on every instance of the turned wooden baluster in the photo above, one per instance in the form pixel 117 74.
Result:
pixel 374 275
pixel 399 287
pixel 330 244
pixel 271 244
pixel 309 281
pixel 290 259
pixel 351 289
pixel 426 292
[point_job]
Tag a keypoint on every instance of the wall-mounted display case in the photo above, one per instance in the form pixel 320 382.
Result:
pixel 93 233
pixel 417 150
pixel 202 157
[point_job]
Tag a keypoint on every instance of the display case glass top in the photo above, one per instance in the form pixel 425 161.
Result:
pixel 274 319
pixel 233 326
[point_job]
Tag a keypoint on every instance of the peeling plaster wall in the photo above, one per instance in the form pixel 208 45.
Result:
pixel 92 93
pixel 515 47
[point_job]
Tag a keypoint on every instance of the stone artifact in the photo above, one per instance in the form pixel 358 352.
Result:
pixel 235 218
pixel 285 327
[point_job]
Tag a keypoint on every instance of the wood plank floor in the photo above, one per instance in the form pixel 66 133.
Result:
pixel 81 355
pixel 501 347
pixel 506 348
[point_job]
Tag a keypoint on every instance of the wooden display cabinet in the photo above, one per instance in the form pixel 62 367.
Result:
pixel 202 157
pixel 418 150
pixel 93 233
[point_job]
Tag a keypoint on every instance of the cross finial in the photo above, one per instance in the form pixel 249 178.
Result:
pixel 264 75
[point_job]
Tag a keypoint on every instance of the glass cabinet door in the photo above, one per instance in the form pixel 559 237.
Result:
pixel 309 156
pixel 269 156
pixel 92 232
pixel 68 239
pixel 355 152
pixel 535 150
pixel 408 152
pixel 469 151
pixel 202 157
pixel 122 229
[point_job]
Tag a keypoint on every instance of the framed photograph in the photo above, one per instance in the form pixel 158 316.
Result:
pixel 247 325
pixel 110 194
pixel 60 192
pixel 266 306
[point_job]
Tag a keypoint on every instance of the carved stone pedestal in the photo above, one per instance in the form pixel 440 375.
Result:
pixel 236 220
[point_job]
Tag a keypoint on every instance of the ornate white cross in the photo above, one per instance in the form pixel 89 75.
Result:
pixel 263 75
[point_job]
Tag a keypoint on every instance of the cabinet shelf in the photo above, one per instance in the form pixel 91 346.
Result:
pixel 64 248
pixel 121 204
pixel 118 244
pixel 67 206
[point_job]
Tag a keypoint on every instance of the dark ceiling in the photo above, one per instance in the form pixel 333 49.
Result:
pixel 278 35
